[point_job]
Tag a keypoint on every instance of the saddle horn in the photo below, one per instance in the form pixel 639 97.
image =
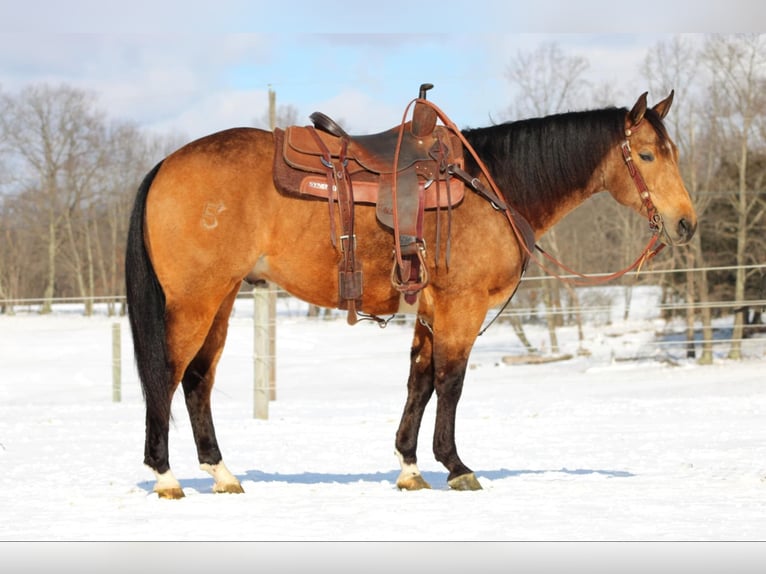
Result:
pixel 423 116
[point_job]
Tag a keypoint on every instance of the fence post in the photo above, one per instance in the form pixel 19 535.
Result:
pixel 261 358
pixel 116 363
pixel 272 342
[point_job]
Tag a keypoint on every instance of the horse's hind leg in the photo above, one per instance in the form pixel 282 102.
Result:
pixel 197 384
pixel 194 338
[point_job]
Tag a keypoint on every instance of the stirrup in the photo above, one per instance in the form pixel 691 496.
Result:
pixel 409 286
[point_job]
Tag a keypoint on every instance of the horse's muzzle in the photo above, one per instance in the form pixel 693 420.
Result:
pixel 681 233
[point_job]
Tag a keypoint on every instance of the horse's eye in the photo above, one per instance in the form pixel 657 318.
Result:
pixel 646 156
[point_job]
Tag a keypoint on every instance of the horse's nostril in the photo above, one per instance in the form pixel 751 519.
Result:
pixel 685 229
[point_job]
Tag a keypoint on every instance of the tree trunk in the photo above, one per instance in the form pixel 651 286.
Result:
pixel 551 315
pixel 518 328
pixel 577 313
pixel 50 286
pixel 628 295
pixel 691 351
pixel 91 273
pixel 735 351
pixel 77 269
pixel 706 358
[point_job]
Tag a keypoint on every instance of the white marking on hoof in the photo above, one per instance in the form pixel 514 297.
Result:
pixel 225 481
pixel 167 486
pixel 410 477
pixel 410 469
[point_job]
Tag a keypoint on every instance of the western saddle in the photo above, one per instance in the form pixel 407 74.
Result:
pixel 402 171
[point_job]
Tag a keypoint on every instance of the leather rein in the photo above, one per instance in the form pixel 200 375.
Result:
pixel 652 248
pixel 493 195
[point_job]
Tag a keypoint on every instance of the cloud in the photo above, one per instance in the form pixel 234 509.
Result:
pixel 393 16
pixel 144 78
pixel 196 83
pixel 214 112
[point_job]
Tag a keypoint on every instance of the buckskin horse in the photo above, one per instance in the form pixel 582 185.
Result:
pixel 212 214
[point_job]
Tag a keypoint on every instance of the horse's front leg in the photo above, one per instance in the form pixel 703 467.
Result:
pixel 455 330
pixel 448 382
pixel 443 371
pixel 420 387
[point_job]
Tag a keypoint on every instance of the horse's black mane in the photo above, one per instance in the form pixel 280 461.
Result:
pixel 535 162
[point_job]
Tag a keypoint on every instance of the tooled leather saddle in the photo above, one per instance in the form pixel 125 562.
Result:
pixel 402 171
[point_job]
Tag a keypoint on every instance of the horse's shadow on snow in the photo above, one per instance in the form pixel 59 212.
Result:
pixel 436 479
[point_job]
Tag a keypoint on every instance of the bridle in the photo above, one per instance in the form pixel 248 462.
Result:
pixel 652 248
pixel 655 219
pixel 494 196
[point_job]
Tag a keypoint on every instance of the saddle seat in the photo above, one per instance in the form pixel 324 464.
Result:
pixel 376 152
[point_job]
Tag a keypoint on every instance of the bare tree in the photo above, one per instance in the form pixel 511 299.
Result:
pixel 738 68
pixel 548 82
pixel 128 156
pixel 5 228
pixel 8 259
pixel 674 65
pixel 50 130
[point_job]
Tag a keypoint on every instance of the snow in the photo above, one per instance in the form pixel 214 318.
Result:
pixel 631 442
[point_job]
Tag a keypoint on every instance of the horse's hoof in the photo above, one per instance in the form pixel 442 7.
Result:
pixel 465 482
pixel 172 493
pixel 412 482
pixel 229 488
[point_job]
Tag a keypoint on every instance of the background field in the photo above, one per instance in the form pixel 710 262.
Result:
pixel 633 442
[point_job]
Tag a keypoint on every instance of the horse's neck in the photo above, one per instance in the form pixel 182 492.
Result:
pixel 545 185
pixel 543 220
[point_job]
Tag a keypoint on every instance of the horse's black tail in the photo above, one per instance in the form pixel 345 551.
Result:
pixel 146 311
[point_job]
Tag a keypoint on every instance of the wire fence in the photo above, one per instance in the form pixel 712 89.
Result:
pixel 602 305
pixel 632 322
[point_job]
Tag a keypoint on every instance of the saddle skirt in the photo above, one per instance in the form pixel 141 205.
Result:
pixel 369 163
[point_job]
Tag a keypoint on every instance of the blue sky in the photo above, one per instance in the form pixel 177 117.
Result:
pixel 212 69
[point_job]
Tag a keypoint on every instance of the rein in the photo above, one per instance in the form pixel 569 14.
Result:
pixel 653 247
pixel 493 195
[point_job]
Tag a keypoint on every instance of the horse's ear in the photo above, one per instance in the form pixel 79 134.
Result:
pixel 639 109
pixel 663 107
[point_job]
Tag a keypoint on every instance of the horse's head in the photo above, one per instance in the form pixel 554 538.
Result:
pixel 644 174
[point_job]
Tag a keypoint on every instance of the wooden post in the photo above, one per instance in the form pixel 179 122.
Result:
pixel 116 363
pixel 272 351
pixel 261 357
pixel 272 109
pixel 272 319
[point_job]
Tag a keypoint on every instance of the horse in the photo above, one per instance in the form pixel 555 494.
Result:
pixel 209 216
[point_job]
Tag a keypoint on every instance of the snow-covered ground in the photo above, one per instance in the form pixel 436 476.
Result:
pixel 592 448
